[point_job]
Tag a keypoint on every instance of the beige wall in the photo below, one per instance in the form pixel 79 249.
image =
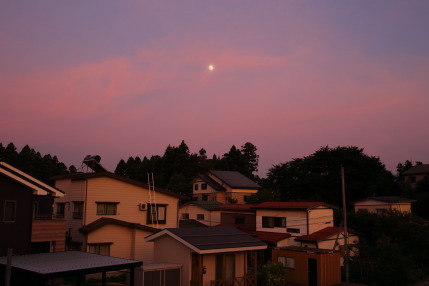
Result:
pixel 373 206
pixel 104 189
pixel 168 250
pixel 126 242
pixel 294 219
pixel 211 218
pixel 320 218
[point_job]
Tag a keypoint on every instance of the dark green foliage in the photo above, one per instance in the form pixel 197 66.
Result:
pixel 33 163
pixel 317 177
pixel 393 249
pixel 178 166
pixel 271 275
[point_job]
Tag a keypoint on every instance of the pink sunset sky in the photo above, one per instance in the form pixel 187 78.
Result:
pixel 128 78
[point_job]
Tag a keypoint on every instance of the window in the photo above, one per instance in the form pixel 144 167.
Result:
pixel 196 187
pixel 78 210
pixel 9 211
pixel 246 198
pixel 203 186
pixel 239 220
pixel 205 197
pixel 287 262
pixel 185 216
pixel 271 222
pixel 35 210
pixel 381 211
pixel 293 230
pixel 156 214
pixel 60 210
pixel 200 216
pixel 106 208
pixel 100 248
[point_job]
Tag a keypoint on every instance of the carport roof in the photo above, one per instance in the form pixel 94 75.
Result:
pixel 60 264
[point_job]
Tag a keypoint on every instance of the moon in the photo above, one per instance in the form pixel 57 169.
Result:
pixel 211 67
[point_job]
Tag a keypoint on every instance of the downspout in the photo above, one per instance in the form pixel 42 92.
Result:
pixel 308 222
pixel 84 212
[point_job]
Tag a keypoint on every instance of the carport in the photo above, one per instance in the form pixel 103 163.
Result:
pixel 38 268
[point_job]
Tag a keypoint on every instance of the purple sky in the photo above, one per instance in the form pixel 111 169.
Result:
pixel 127 78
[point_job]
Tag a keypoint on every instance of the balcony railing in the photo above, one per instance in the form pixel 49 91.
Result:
pixel 248 280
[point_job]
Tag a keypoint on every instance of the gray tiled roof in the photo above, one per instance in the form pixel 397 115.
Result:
pixel 207 205
pixel 212 183
pixel 190 223
pixel 418 169
pixel 221 237
pixel 235 179
pixel 107 220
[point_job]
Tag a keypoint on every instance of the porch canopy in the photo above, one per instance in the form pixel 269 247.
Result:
pixel 45 266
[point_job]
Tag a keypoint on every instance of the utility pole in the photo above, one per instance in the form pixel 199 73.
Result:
pixel 346 234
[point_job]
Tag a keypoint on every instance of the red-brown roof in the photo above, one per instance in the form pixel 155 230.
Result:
pixel 236 207
pixel 291 205
pixel 267 236
pixel 322 234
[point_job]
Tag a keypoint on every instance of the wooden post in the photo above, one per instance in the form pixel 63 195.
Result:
pixel 8 267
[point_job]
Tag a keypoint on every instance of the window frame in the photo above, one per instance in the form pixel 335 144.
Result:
pixel 200 216
pixel 273 222
pixel 12 220
pixel 287 261
pixel 78 213
pixel 204 186
pixel 63 208
pixel 98 246
pixel 156 220
pixel 105 208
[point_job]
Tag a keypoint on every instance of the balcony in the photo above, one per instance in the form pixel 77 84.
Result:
pixel 248 280
pixel 49 230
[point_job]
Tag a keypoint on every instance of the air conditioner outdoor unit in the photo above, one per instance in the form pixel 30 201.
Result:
pixel 142 206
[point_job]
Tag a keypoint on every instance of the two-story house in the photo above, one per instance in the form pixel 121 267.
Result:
pixel 111 214
pixel 224 187
pixel 416 174
pixel 26 221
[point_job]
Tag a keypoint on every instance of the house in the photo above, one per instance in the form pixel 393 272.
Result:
pixel 26 221
pixel 295 218
pixel 242 216
pixel 110 214
pixel 209 255
pixel 224 187
pixel 416 174
pixel 331 237
pixel 383 204
pixel 203 211
pixel 309 266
